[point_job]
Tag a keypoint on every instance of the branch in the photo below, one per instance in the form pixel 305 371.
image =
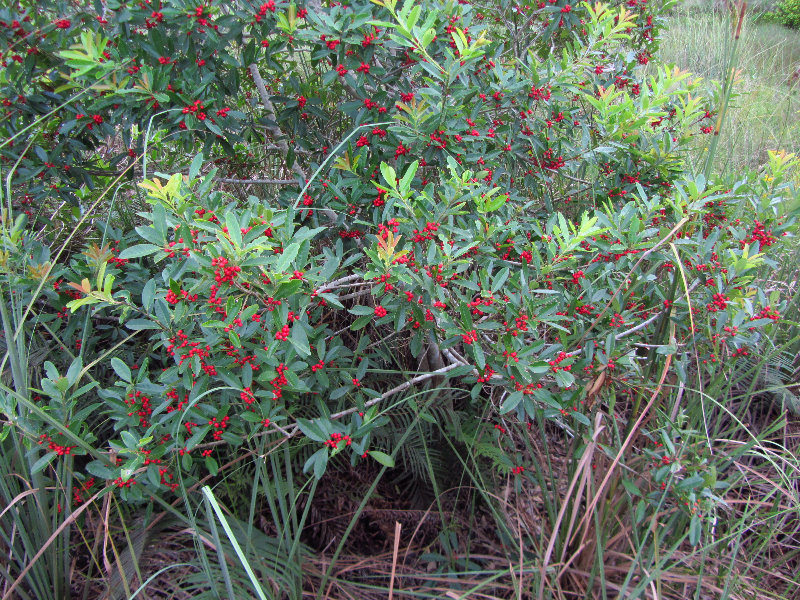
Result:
pixel 397 389
pixel 570 177
pixel 337 283
pixel 641 325
pixel 277 134
pixel 358 294
pixel 253 181
pixel 454 358
pixel 297 149
pixel 294 430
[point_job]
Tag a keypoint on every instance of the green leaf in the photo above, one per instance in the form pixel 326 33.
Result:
pixel 480 359
pixel 130 441
pixel 338 392
pixel 149 234
pixel 139 324
pixel 543 395
pixel 500 279
pixel 493 204
pixel 299 340
pixel 389 175
pixel 194 168
pixel 319 457
pixel 214 324
pixel 511 402
pixel 234 231
pixel 74 370
pixel 287 289
pixel 382 457
pixel 234 339
pixel 97 469
pixel 631 487
pixel 565 378
pixel 405 182
pixel 148 294
pixel 139 250
pixel 311 430
pixel 212 127
pixel 695 529
pixel 248 312
pixel 581 418
pixel 539 366
pixel 321 463
pixel 289 254
pixel 160 217
pixel 42 462
pixel 360 322
pixel 416 344
pixel 121 369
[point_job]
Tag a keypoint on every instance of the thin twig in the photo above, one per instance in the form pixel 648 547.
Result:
pixel 278 135
pixel 255 181
pixel 337 283
pixel 397 528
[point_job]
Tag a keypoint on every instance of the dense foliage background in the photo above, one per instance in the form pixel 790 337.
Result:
pixel 277 275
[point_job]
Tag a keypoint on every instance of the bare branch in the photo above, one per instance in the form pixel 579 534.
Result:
pixel 277 134
pixel 254 181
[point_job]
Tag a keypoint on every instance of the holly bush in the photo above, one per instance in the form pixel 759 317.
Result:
pixel 81 88
pixel 518 217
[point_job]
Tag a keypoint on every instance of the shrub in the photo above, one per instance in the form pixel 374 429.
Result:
pixel 268 327
pixel 233 80
pixel 787 13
